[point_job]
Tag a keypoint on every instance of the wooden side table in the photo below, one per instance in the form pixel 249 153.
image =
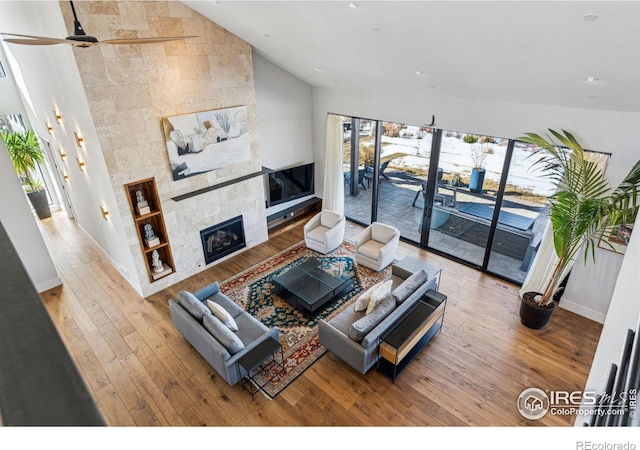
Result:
pixel 410 333
pixel 261 360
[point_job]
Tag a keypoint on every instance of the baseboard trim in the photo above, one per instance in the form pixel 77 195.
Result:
pixel 582 310
pixel 49 284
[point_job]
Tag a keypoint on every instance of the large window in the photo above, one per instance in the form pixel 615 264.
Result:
pixel 478 199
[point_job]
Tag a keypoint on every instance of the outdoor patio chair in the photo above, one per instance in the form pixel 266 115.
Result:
pixel 361 172
pixel 383 167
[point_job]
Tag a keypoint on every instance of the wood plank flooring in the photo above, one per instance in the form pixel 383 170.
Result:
pixel 141 372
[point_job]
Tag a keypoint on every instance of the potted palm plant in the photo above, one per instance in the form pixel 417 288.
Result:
pixel 582 208
pixel 26 153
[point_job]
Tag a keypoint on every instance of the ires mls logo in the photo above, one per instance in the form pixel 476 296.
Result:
pixel 534 403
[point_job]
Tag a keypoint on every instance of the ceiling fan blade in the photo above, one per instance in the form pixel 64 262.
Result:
pixel 150 40
pixel 32 40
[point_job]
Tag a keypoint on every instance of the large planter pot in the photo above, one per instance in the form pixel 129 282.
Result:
pixel 40 203
pixel 477 180
pixel 532 315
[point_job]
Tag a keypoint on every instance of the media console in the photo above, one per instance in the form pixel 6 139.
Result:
pixel 281 217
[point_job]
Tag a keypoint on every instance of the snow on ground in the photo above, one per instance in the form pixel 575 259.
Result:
pixel 455 156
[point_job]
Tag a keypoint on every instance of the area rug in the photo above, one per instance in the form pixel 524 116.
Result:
pixel 254 291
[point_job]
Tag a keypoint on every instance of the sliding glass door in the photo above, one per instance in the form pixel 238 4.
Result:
pixel 465 200
pixel 478 199
pixel 359 153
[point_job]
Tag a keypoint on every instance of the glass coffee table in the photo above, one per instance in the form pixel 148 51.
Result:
pixel 308 288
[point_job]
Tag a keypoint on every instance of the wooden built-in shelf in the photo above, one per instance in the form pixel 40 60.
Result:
pixel 150 216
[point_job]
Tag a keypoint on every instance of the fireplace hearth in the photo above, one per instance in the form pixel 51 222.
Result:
pixel 222 239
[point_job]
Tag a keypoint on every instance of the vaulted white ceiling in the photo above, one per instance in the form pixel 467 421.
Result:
pixel 536 52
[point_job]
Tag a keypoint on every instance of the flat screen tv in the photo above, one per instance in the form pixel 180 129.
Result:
pixel 290 184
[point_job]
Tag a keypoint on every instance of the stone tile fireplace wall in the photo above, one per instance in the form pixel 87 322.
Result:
pixel 131 88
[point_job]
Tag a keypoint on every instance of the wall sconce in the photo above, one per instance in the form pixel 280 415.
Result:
pixel 79 139
pixel 63 154
pixel 105 212
pixel 65 177
pixel 58 116
pixel 50 128
pixel 80 163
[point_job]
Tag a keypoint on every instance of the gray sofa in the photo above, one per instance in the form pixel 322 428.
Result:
pixel 407 288
pixel 192 317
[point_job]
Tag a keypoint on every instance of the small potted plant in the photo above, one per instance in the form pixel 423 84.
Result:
pixel 582 207
pixel 479 154
pixel 26 153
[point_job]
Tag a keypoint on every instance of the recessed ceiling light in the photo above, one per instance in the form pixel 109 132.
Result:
pixel 419 73
pixel 591 79
pixel 353 5
pixel 590 17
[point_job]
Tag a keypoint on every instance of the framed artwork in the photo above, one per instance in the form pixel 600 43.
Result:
pixel 204 141
pixel 616 238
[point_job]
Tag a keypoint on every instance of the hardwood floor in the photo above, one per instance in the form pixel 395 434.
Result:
pixel 143 373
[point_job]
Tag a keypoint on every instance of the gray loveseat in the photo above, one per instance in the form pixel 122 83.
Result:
pixel 361 352
pixel 194 320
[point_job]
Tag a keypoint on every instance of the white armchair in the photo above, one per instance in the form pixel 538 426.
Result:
pixel 324 232
pixel 376 246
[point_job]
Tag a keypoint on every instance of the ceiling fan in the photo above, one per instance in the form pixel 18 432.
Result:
pixel 82 39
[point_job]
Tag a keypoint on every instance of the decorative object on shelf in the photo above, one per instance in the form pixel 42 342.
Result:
pixel 581 209
pixel 205 141
pixel 150 236
pixel 160 269
pixel 143 194
pixel 143 205
pixel 26 154
pixel 155 262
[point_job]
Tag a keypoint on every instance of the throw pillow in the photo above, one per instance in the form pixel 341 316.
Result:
pixel 383 291
pixel 409 286
pixel 361 327
pixel 223 315
pixel 193 306
pixel 223 334
pixel 363 301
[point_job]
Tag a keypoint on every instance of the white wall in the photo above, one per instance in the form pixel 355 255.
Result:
pixel 622 315
pixel 599 284
pixel 47 79
pixel 284 105
pixel 285 111
pixel 11 102
pixel 20 225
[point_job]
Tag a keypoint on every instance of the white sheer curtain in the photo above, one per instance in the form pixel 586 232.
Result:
pixel 333 195
pixel 546 258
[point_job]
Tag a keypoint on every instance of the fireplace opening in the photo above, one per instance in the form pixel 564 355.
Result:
pixel 222 239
